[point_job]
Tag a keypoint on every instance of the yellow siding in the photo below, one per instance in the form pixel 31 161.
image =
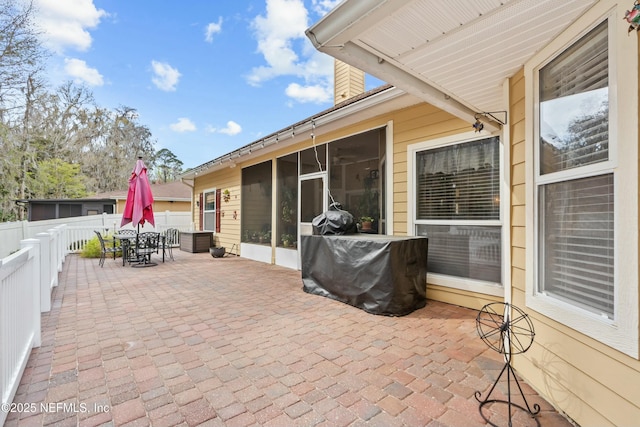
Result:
pixel 165 205
pixel 348 81
pixel 459 297
pixel 160 206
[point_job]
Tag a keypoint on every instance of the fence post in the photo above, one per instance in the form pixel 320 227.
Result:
pixel 36 287
pixel 44 269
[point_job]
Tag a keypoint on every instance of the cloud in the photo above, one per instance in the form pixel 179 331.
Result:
pixel 232 129
pixel 322 7
pixel 65 23
pixel 287 51
pixel 183 125
pixel 213 28
pixel 304 94
pixel 165 76
pixel 80 72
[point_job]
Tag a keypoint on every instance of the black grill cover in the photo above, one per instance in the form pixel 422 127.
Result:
pixel 334 221
pixel 380 274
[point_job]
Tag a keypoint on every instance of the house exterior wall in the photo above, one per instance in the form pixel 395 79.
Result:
pixel 594 384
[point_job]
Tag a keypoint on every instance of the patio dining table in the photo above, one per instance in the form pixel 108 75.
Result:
pixel 137 253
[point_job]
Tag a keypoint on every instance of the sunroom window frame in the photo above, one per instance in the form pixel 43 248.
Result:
pixel 621 332
pixel 454 282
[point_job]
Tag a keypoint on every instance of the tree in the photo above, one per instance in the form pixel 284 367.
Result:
pixel 57 179
pixel 21 54
pixel 167 166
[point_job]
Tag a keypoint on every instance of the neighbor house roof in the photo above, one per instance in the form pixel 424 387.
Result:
pixel 175 191
pixel 453 54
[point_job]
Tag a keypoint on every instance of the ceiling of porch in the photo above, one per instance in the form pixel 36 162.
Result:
pixel 455 54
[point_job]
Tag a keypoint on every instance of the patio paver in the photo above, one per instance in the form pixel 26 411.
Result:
pixel 231 342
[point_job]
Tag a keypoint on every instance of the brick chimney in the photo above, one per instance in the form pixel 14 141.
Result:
pixel 348 81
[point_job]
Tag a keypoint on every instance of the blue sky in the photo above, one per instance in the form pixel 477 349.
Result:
pixel 206 76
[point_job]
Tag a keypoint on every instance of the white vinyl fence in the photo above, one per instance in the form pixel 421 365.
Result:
pixel 80 229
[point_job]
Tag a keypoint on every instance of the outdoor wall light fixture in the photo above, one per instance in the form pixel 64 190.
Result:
pixel 490 115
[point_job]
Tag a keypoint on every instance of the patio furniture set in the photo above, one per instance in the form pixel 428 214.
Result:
pixel 136 248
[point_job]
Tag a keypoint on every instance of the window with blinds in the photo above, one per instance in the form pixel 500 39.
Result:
pixel 576 215
pixel 458 209
pixel 574 105
pixel 577 231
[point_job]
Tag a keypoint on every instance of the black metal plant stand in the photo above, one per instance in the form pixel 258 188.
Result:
pixel 508 333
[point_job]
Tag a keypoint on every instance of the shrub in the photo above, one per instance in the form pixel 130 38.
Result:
pixel 91 249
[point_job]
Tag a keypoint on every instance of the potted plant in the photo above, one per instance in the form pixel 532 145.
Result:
pixel 366 222
pixel 226 195
pixel 287 239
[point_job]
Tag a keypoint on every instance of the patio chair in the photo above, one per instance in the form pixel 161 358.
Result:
pixel 172 240
pixel 127 237
pixel 147 243
pixel 104 249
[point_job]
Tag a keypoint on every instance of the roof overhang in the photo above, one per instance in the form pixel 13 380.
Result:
pixel 370 104
pixel 454 54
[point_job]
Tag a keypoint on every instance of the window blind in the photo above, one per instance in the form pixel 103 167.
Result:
pixel 574 105
pixel 459 182
pixel 577 229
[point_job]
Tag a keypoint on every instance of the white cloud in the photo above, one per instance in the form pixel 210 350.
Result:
pixel 213 28
pixel 232 129
pixel 80 72
pixel 287 51
pixel 65 23
pixel 284 23
pixel 315 93
pixel 322 7
pixel 165 76
pixel 183 125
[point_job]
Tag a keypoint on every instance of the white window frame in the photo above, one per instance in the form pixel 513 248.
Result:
pixel 204 211
pixel 465 284
pixel 621 332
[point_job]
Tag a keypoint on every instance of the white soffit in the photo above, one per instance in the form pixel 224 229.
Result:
pixel 465 49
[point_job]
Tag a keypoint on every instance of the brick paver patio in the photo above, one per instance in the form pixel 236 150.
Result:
pixel 230 342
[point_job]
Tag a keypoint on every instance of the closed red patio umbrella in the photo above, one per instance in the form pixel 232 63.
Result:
pixel 138 208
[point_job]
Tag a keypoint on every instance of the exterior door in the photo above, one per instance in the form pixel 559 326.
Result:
pixel 313 200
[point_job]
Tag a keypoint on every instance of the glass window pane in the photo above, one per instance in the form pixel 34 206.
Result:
pixel 473 252
pixel 209 221
pixel 459 181
pixel 574 105
pixel 577 242
pixel 210 201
